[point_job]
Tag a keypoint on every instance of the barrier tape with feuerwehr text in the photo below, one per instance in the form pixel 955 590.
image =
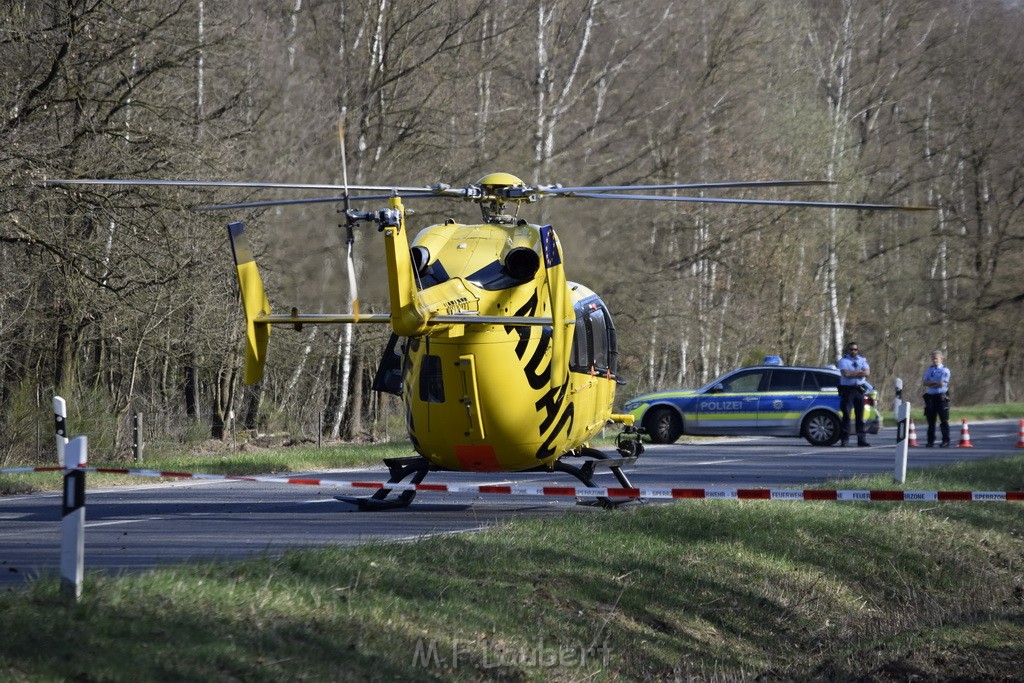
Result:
pixel 583 492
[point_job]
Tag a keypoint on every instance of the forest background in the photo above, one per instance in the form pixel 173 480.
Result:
pixel 124 300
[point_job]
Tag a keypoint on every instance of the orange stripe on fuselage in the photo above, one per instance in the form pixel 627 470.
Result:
pixel 477 458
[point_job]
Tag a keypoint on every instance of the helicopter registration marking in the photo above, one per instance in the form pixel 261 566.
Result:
pixel 448 298
pixel 454 306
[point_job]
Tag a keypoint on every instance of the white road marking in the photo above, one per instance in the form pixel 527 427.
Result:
pixel 90 525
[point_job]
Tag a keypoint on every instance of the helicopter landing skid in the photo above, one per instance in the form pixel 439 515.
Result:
pixel 585 473
pixel 399 468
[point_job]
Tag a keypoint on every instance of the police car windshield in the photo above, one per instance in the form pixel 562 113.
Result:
pixel 741 382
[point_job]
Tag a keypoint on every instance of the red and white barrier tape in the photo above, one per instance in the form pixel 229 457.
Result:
pixel 587 492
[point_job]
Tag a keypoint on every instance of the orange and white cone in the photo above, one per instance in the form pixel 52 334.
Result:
pixel 912 435
pixel 965 436
pixel 1020 437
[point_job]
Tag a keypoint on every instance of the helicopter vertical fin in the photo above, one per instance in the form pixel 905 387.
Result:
pixel 254 303
pixel 406 318
pixel 561 307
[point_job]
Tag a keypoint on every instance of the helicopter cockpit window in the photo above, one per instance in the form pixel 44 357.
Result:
pixel 599 331
pixel 431 380
pixel 580 345
pixel 595 346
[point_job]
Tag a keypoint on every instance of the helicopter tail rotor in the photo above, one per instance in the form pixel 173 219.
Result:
pixel 254 303
pixel 349 221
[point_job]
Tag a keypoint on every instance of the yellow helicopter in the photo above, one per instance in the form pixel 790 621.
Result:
pixel 502 364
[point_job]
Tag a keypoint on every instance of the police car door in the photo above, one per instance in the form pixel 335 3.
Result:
pixel 730 406
pixel 784 403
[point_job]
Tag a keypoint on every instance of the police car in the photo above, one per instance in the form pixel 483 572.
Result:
pixel 766 400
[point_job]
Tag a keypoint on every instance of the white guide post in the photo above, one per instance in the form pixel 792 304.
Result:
pixel 72 525
pixel 60 417
pixel 902 410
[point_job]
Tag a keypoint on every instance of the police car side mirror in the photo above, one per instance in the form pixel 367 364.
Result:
pixel 717 389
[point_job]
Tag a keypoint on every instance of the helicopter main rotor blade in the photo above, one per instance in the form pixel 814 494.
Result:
pixel 519 193
pixel 311 200
pixel 244 184
pixel 391 191
pixel 763 202
pixel 556 190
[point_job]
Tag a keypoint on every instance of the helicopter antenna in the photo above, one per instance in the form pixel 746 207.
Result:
pixel 350 223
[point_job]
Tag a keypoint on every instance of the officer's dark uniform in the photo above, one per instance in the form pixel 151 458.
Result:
pixel 936 402
pixel 851 396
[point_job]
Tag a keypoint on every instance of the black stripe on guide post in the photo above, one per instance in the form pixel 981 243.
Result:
pixel 74 492
pixel 61 425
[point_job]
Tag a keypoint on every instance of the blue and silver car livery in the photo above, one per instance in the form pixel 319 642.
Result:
pixel 766 400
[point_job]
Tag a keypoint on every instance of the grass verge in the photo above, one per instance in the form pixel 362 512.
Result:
pixel 713 590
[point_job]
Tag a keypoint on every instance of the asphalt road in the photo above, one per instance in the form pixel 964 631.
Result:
pixel 140 527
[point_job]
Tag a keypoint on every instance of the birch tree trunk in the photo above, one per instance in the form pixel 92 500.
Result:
pixel 552 106
pixel 839 76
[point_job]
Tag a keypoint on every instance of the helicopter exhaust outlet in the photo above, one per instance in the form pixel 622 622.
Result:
pixel 522 263
pixel 420 258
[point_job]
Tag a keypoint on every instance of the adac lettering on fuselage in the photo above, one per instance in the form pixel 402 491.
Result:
pixel 536 376
pixel 555 407
pixel 558 413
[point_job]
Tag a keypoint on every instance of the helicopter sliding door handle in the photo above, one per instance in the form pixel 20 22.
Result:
pixel 471 397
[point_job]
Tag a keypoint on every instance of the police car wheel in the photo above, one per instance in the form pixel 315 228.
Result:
pixel 664 425
pixel 821 428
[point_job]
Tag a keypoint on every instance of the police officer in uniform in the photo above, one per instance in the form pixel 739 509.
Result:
pixel 936 399
pixel 854 371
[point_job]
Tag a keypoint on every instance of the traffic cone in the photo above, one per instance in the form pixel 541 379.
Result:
pixel 912 436
pixel 1020 437
pixel 965 436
